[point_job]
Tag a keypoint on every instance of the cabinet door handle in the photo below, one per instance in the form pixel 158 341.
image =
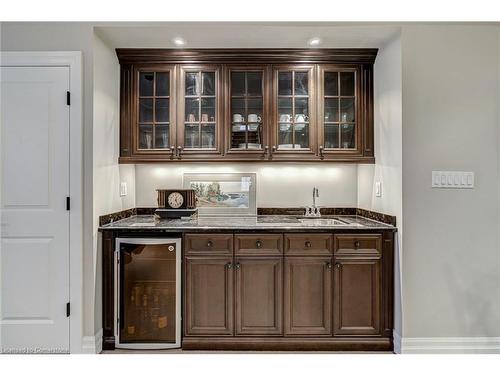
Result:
pixel 237 266
pixel 328 265
pixel 210 243
pixel 266 151
pixel 308 244
pixel 179 151
pixel 321 152
pixel 172 152
pixel 356 244
pixel 338 265
pixel 229 265
pixel 258 243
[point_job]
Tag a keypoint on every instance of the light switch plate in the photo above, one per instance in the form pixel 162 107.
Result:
pixel 123 189
pixel 378 189
pixel 452 180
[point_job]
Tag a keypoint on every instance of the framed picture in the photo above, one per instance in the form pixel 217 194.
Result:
pixel 223 194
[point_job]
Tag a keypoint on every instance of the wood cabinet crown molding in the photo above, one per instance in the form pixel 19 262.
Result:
pixel 275 55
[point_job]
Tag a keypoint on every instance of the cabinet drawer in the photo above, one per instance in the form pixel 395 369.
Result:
pixel 206 244
pixel 308 244
pixel 363 244
pixel 258 244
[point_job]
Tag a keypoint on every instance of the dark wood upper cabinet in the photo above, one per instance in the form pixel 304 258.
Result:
pixel 246 104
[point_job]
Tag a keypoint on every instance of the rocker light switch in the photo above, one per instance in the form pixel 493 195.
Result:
pixel 452 180
pixel 123 189
pixel 378 189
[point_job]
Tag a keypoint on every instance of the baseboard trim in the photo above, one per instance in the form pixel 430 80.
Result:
pixel 459 345
pixel 92 344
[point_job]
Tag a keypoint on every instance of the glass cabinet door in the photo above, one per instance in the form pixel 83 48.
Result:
pixel 247 117
pixel 293 108
pixel 339 109
pixel 200 114
pixel 154 130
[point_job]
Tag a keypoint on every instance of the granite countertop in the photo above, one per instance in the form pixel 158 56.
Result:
pixel 287 222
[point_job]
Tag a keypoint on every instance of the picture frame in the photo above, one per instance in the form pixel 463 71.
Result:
pixel 223 194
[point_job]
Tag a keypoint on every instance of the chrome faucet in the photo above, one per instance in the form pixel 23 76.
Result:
pixel 314 211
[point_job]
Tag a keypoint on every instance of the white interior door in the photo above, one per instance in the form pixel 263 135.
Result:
pixel 34 252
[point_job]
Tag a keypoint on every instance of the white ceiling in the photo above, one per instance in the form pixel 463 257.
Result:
pixel 246 34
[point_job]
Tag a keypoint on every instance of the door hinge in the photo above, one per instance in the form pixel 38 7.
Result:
pixel 67 309
pixel 68 205
pixel 68 98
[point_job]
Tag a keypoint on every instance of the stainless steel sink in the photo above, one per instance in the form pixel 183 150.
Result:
pixel 321 221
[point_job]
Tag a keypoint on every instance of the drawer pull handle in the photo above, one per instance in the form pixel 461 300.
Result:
pixel 308 243
pixel 356 244
pixel 210 243
pixel 258 243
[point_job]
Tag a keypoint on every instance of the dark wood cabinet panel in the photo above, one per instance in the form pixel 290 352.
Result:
pixel 308 296
pixel 247 105
pixel 208 308
pixel 208 244
pixel 258 296
pixel 258 244
pixel 308 244
pixel 358 244
pixel 357 294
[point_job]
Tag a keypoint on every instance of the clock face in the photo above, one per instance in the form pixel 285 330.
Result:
pixel 175 199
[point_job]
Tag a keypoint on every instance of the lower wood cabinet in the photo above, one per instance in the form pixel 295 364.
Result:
pixel 357 293
pixel 208 296
pixel 258 296
pixel 308 296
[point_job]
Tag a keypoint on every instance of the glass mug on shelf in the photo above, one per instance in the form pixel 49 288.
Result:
pixel 285 117
pixel 254 118
pixel 237 117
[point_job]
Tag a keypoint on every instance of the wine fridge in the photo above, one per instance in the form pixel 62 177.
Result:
pixel 148 293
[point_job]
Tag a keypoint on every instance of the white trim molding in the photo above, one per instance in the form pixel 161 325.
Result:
pixel 396 339
pixel 92 344
pixel 449 345
pixel 73 60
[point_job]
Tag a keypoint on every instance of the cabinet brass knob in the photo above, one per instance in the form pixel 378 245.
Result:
pixel 209 243
pixel 258 243
pixel 328 265
pixel 338 265
pixel 308 243
pixel 229 265
pixel 237 265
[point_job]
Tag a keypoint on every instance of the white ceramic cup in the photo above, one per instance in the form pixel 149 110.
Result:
pixel 237 117
pixel 285 118
pixel 301 118
pixel 254 118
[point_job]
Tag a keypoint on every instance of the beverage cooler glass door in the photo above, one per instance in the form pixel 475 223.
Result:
pixel 148 293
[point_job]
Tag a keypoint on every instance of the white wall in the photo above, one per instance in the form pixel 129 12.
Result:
pixel 388 153
pixel 107 172
pixel 278 185
pixel 451 258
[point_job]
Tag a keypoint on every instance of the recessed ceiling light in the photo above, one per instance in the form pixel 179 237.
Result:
pixel 179 41
pixel 314 41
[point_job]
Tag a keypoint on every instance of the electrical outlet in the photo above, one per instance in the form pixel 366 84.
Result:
pixel 378 189
pixel 452 180
pixel 123 189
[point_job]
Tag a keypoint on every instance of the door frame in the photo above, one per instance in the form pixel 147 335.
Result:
pixel 72 60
